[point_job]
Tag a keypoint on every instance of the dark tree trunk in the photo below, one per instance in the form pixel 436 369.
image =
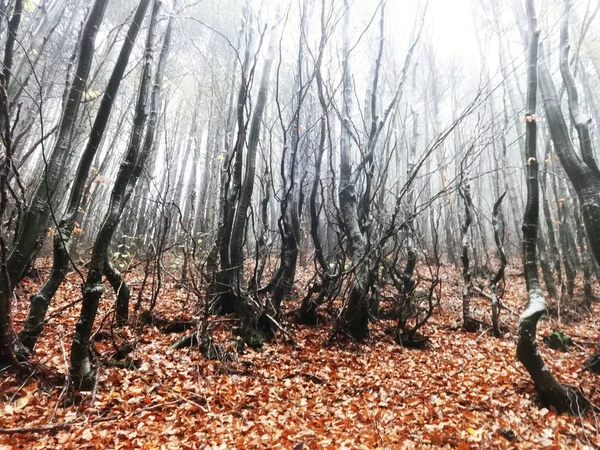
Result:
pixel 262 249
pixel 40 301
pixel 550 391
pixel 308 308
pixel 81 372
pixel 247 187
pixel 37 212
pixel 585 181
pixel 251 329
pixel 6 327
pixel 582 125
pixel 231 173
pixel 498 224
pixel 289 220
pixel 115 279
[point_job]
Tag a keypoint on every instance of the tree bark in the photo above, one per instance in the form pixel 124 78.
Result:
pixel 290 206
pixel 498 224
pixel 81 372
pixel 6 327
pixel 550 391
pixel 355 313
pixel 40 301
pixel 468 323
pixel 224 301
pixel 308 309
pixel 244 308
pixel 37 212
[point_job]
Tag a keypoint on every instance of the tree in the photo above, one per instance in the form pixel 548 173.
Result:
pixel 6 330
pixel 236 201
pixel 291 200
pixel 355 315
pixel 81 372
pixel 36 214
pixel 40 301
pixel 551 392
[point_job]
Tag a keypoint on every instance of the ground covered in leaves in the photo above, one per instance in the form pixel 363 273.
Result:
pixel 465 391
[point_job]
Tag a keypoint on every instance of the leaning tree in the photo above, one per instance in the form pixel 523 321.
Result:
pixel 550 391
pixel 582 171
pixel 140 145
pixel 32 229
pixel 40 301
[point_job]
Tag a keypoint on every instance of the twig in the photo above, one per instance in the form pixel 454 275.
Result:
pixel 278 325
pixel 40 428
pixel 72 423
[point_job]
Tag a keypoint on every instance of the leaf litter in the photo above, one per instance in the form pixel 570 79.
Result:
pixel 466 391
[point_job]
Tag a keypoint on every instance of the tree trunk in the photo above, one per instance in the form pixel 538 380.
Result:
pixel 289 220
pixel 585 140
pixel 37 213
pixel 550 391
pixel 6 327
pixel 81 369
pixel 40 301
pixel 498 224
pixel 583 177
pixel 308 309
pixel 244 308
pixel 355 314
pixel 231 173
pixel 468 323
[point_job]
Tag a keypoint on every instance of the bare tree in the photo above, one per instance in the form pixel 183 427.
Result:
pixel 36 214
pixel 81 372
pixel 40 301
pixel 551 392
pixel 6 286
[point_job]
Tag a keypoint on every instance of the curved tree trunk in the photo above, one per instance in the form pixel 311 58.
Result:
pixel 81 372
pixel 550 391
pixel 40 301
pixel 355 314
pixel 6 330
pixel 584 179
pixel 36 215
pixel 308 308
pixel 585 140
pixel 498 224
pixel 291 203
pixel 244 307
pixel 231 179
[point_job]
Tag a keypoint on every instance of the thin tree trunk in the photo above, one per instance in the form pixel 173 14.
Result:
pixel 498 224
pixel 308 309
pixel 81 372
pixel 468 323
pixel 40 301
pixel 355 314
pixel 551 392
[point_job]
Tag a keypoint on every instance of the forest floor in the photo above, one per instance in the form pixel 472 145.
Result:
pixel 467 390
